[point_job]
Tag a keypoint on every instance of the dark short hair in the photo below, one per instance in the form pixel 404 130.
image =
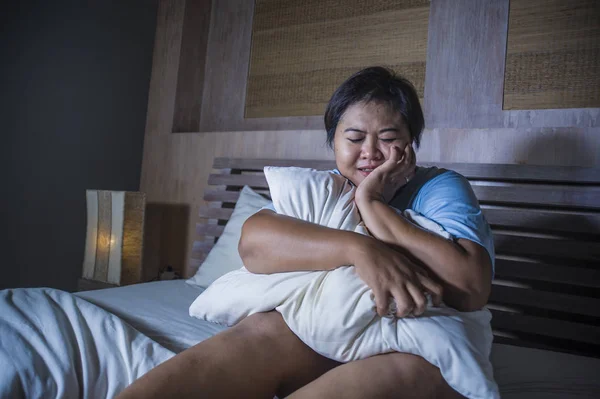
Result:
pixel 376 84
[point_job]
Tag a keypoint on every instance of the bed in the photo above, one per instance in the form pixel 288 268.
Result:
pixel 545 302
pixel 545 299
pixel 520 371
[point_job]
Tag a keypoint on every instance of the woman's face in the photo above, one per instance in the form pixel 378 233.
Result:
pixel 364 137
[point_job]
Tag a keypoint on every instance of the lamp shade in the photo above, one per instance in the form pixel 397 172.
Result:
pixel 114 237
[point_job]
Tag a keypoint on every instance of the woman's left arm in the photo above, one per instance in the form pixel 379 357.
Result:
pixel 463 267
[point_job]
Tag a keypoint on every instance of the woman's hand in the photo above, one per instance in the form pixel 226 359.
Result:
pixel 390 274
pixel 384 181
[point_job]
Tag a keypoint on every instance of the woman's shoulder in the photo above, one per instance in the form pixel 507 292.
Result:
pixel 445 185
pixel 440 174
pixel 438 177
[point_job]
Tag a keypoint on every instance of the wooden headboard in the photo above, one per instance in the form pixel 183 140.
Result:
pixel 546 225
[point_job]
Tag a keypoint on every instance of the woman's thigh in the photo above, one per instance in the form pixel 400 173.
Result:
pixel 257 358
pixel 392 375
pixel 294 362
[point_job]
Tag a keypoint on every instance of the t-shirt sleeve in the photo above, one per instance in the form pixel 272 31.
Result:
pixel 449 200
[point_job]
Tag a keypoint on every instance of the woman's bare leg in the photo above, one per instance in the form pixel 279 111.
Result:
pixel 393 375
pixel 255 359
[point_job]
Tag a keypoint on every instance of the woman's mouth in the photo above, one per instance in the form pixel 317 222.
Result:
pixel 365 171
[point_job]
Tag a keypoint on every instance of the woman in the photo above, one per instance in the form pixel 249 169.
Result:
pixel 372 120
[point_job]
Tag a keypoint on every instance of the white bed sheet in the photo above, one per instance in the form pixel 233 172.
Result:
pixel 57 345
pixel 160 311
pixel 157 309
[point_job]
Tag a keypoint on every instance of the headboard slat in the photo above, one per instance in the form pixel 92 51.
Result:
pixel 524 173
pixel 547 273
pixel 532 194
pixel 221 196
pixel 259 164
pixel 548 247
pixel 212 230
pixel 545 300
pixel 542 326
pixel 548 220
pixel 215 213
pixel 238 180
pixel 201 247
pixel 499 172
pixel 546 195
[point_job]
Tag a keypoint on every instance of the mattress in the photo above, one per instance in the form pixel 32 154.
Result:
pixel 160 311
pixel 157 309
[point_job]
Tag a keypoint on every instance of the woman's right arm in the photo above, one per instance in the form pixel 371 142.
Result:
pixel 272 243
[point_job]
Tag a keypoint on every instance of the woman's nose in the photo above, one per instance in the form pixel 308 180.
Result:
pixel 370 150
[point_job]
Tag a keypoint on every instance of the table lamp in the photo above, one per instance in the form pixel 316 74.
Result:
pixel 114 237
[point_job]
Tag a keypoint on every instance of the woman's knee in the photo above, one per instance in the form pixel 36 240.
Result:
pixel 297 364
pixel 267 325
pixel 269 333
pixel 414 371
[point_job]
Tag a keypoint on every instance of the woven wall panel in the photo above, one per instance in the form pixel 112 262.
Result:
pixel 553 54
pixel 301 51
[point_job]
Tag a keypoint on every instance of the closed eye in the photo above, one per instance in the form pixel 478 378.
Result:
pixel 384 140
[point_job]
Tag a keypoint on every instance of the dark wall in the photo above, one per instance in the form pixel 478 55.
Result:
pixel 73 98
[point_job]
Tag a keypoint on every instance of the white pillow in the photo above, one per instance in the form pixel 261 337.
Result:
pixel 332 311
pixel 224 256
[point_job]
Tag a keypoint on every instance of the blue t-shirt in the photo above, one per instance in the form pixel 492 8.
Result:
pixel 447 198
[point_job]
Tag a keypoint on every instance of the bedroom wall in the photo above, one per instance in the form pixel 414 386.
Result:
pixel 74 90
pixel 464 111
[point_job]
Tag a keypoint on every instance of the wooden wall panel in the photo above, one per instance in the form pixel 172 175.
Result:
pixel 226 65
pixel 464 84
pixel 539 146
pixel 176 166
pixel 580 117
pixel 228 56
pixel 165 61
pixel 553 54
pixel 465 63
pixel 190 77
pixel 301 51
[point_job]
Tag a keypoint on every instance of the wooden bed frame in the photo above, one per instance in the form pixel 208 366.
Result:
pixel 546 225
